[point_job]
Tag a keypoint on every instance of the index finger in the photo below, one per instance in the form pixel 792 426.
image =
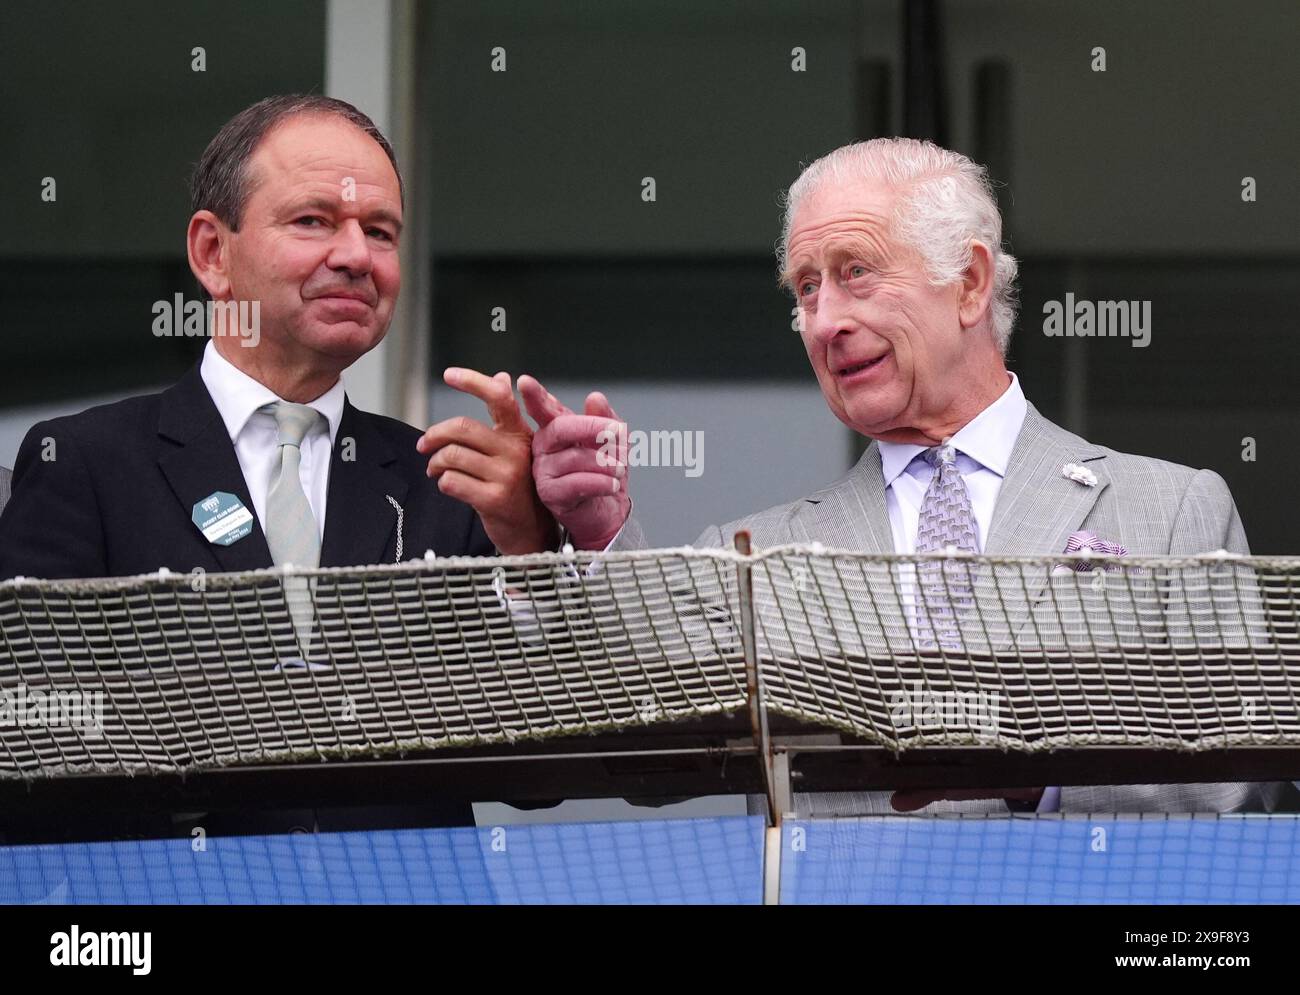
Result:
pixel 544 406
pixel 496 392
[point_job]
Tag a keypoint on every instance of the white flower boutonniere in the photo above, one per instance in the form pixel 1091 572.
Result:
pixel 1080 474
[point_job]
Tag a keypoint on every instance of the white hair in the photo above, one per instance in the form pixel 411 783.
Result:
pixel 945 201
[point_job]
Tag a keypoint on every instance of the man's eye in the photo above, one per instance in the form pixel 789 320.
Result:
pixel 381 234
pixel 806 289
pixel 857 271
pixel 309 221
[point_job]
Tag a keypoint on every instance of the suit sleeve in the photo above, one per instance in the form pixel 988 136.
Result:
pixel 477 542
pixel 630 537
pixel 51 527
pixel 1217 604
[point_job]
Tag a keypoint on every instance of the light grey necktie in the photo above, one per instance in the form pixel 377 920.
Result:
pixel 291 530
pixel 946 520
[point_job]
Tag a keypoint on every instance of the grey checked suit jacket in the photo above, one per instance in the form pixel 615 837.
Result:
pixel 1150 506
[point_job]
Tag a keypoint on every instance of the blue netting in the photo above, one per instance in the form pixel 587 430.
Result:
pixel 1229 859
pixel 890 860
pixel 669 861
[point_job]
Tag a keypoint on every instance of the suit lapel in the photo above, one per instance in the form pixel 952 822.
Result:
pixel 359 519
pixel 851 513
pixel 200 460
pixel 1037 509
pixel 1038 506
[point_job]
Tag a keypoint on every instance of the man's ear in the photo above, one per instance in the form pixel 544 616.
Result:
pixel 976 286
pixel 206 241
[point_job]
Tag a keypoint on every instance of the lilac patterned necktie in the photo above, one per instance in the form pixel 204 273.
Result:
pixel 946 520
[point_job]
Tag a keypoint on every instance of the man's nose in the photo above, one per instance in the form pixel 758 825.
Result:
pixel 831 316
pixel 350 251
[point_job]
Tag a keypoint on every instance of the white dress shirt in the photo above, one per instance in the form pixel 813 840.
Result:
pixel 983 451
pixel 256 437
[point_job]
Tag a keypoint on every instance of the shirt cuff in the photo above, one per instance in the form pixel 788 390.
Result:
pixel 565 538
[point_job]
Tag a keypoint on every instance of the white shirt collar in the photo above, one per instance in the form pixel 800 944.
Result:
pixel 238 396
pixel 988 438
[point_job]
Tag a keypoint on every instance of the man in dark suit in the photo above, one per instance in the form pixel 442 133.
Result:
pixel 256 457
pixel 297 210
pixel 117 495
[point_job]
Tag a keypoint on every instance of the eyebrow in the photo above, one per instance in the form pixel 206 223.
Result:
pixel 328 206
pixel 836 251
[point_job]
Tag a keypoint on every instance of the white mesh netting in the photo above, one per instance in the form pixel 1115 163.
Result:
pixel 170 673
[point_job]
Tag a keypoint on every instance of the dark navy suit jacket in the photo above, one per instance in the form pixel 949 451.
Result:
pixel 119 494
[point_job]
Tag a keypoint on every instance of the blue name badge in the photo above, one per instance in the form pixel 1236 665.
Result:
pixel 222 518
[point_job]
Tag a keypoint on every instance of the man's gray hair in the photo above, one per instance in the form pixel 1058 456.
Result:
pixel 945 200
pixel 221 182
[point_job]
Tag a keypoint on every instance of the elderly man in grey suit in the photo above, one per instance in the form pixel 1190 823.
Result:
pixel 906 298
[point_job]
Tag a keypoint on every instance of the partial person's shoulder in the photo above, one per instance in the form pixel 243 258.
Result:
pixel 105 425
pixel 1157 478
pixel 769 527
pixel 785 522
pixel 1131 470
pixel 1192 510
pixel 1132 465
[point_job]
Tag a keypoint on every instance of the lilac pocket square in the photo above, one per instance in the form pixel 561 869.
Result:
pixel 1084 540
